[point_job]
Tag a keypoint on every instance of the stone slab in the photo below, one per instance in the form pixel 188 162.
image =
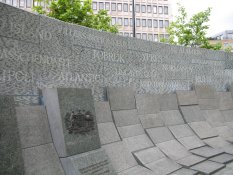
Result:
pixel 173 149
pixel 131 130
pixel 205 91
pixel 147 103
pixel 191 142
pixel 33 126
pixel 151 121
pixel 108 133
pixel 228 115
pixel 121 98
pixel 228 170
pixel 214 117
pixel 172 117
pixel 42 159
pixel 225 100
pixel 92 162
pixel 190 160
pixel 206 151
pixel 192 113
pixel 180 131
pixel 137 143
pixel 70 138
pixel 203 129
pixel 223 158
pixel 208 167
pixel 168 102
pixel 186 98
pixel 11 161
pixel 206 104
pixel 184 171
pixel 137 170
pixel 126 117
pixel 119 156
pixel 103 112
pixel 224 131
pixel 160 134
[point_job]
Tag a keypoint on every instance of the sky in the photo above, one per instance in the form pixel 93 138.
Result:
pixel 221 15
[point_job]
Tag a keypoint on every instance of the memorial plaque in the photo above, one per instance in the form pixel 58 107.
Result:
pixel 89 163
pixel 186 98
pixel 72 119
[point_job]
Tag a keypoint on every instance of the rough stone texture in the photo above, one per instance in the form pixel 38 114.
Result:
pixel 184 171
pixel 223 158
pixel 151 120
pixel 137 170
pixel 119 156
pixel 208 167
pixel 214 117
pixel 206 151
pixel 41 160
pixel 228 115
pixel 190 160
pixel 191 142
pixel 172 117
pixel 203 129
pixel 228 170
pixel 192 113
pixel 225 132
pixel 206 104
pixel 186 98
pixel 125 117
pixel 168 102
pixel 11 161
pixel 107 133
pixel 103 112
pixel 147 103
pixel 121 98
pixel 160 134
pixel 180 131
pixel 225 100
pixel 59 104
pixel 33 126
pixel 129 131
pixel 205 91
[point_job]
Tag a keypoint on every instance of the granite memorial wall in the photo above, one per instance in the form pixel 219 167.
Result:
pixel 38 51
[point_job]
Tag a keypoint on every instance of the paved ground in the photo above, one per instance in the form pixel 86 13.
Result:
pixel 226 171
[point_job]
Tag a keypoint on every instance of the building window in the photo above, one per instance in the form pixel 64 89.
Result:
pixel 130 7
pixel 143 9
pixel 166 10
pixel 144 36
pixel 119 7
pixel 29 3
pixel 126 21
pixel 125 7
pixel 126 34
pixel 131 34
pixel 160 10
pixel 8 2
pixel 143 22
pixel 155 37
pixel 150 37
pixel 149 9
pixel 113 20
pixel 101 5
pixel 138 22
pixel 166 23
pixel 155 9
pixel 160 23
pixel 113 6
pixel 120 33
pixel 94 5
pixel 137 8
pixel 138 35
pixel 155 23
pixel 107 6
pixel 131 22
pixel 120 21
pixel 21 3
pixel 15 3
pixel 149 23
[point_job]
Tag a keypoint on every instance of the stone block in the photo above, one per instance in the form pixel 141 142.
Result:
pixel 147 103
pixel 126 117
pixel 223 158
pixel 206 151
pixel 119 156
pixel 186 98
pixel 151 120
pixel 228 115
pixel 190 160
pixel 180 131
pixel 191 142
pixel 172 117
pixel 225 100
pixel 103 112
pixel 107 133
pixel 206 104
pixel 224 131
pixel 205 91
pixel 160 134
pixel 63 105
pixel 214 117
pixel 131 130
pixel 184 171
pixel 121 98
pixel 33 126
pixel 137 170
pixel 192 113
pixel 208 167
pixel 168 102
pixel 203 129
pixel 42 159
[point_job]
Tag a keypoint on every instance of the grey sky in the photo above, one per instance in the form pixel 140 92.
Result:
pixel 221 15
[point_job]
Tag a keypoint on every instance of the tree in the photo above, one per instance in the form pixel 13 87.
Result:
pixel 77 12
pixel 190 32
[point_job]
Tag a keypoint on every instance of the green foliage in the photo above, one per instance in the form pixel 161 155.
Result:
pixel 78 12
pixel 217 46
pixel 228 49
pixel 190 32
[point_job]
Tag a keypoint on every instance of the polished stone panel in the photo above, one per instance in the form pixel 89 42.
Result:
pixel 180 131
pixel 168 102
pixel 186 98
pixel 137 170
pixel 192 113
pixel 160 134
pixel 205 91
pixel 214 117
pixel 151 120
pixel 223 158
pixel 225 100
pixel 206 151
pixel 131 130
pixel 190 160
pixel 206 104
pixel 172 117
pixel 228 115
pixel 184 171
pixel 191 142
pixel 103 112
pixel 208 167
